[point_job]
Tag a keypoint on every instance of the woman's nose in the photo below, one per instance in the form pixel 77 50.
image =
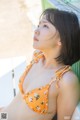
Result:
pixel 37 32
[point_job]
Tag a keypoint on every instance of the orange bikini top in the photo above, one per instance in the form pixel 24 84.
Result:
pixel 37 99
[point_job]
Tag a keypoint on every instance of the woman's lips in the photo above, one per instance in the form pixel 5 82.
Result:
pixel 35 39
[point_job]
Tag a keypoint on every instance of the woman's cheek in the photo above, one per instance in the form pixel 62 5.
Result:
pixel 46 36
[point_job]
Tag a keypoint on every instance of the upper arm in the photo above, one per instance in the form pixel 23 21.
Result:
pixel 68 98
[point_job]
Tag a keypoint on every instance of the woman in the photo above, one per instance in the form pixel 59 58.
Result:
pixel 48 86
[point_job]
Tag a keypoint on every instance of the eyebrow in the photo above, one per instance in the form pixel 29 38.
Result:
pixel 43 21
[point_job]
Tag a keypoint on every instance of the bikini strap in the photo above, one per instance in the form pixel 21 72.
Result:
pixel 36 56
pixel 58 75
pixel 36 53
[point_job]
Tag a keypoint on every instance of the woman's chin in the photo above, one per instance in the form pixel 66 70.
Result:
pixel 35 46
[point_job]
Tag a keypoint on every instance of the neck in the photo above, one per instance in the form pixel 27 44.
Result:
pixel 49 60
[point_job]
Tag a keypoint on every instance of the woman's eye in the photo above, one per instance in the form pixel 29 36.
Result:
pixel 45 26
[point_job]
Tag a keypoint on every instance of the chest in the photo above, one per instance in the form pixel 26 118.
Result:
pixel 36 78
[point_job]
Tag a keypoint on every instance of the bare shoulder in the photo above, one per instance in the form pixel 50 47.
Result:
pixel 68 96
pixel 69 79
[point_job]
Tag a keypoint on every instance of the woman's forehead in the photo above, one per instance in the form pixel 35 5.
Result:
pixel 48 18
pixel 43 20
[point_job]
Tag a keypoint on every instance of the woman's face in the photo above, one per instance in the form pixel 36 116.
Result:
pixel 45 36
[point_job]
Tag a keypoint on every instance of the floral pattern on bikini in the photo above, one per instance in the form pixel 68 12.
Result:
pixel 37 99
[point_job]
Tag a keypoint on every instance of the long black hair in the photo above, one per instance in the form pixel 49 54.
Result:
pixel 67 24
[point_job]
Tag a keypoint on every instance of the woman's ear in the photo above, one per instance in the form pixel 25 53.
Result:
pixel 59 43
pixel 59 40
